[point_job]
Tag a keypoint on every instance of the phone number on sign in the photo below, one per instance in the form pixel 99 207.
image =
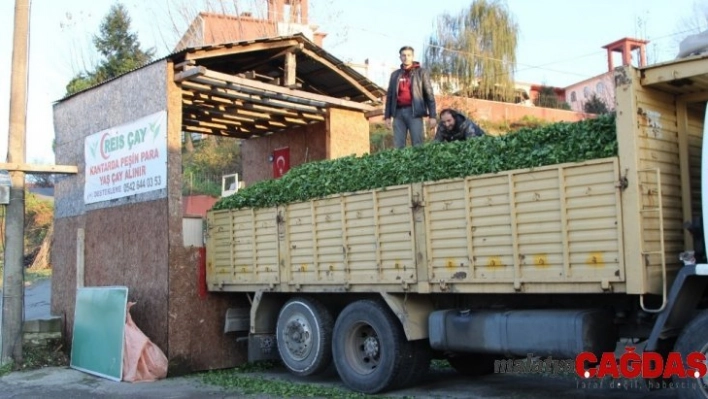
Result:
pixel 140 184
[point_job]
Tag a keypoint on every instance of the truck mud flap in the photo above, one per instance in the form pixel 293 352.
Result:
pixel 262 347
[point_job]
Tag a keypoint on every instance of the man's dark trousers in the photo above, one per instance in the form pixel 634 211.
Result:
pixel 403 122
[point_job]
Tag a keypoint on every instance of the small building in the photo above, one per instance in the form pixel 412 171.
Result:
pixel 119 221
pixel 603 86
pixel 284 17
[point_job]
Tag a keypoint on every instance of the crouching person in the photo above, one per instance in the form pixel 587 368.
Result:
pixel 454 126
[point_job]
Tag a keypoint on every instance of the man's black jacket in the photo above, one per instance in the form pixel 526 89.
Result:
pixel 422 93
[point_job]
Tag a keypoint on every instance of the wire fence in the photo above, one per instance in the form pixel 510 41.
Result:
pixel 201 184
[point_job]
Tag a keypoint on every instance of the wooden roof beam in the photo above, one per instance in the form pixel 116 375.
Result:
pixel 258 92
pixel 244 47
pixel 341 73
pixel 208 114
pixel 243 98
pixel 231 133
pixel 269 90
pixel 293 49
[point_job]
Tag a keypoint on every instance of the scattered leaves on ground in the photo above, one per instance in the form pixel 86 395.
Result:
pixel 46 353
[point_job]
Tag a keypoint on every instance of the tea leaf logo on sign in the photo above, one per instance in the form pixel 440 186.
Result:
pixel 155 128
pixel 93 147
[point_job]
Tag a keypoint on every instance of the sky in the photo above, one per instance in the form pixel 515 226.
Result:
pixel 560 41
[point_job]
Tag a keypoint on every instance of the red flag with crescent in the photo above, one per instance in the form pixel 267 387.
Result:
pixel 281 161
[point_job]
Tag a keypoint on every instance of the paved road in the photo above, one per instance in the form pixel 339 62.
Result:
pixel 59 383
pixel 38 300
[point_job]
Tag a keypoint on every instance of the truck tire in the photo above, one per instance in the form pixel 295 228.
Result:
pixel 304 336
pixel 472 365
pixel 417 363
pixel 693 338
pixel 370 348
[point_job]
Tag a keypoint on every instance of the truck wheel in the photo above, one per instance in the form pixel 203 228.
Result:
pixel 417 363
pixel 693 338
pixel 369 347
pixel 304 336
pixel 472 365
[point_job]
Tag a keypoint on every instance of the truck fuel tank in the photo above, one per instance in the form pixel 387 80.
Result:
pixel 557 333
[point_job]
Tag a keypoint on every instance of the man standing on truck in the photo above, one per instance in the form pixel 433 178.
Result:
pixel 409 99
pixel 454 126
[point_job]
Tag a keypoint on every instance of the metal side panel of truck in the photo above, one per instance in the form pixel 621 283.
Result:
pixel 606 225
pixel 554 260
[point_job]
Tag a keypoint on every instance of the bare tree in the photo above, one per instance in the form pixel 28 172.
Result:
pixel 178 17
pixel 694 22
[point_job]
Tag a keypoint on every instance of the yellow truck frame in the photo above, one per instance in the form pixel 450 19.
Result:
pixel 553 243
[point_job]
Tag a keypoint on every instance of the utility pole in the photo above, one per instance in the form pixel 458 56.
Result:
pixel 14 274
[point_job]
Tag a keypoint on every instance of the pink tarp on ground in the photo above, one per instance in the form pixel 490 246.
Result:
pixel 143 361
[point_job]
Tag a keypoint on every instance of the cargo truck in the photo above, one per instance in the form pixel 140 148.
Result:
pixel 550 261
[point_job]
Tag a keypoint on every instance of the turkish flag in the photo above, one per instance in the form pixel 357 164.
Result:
pixel 281 161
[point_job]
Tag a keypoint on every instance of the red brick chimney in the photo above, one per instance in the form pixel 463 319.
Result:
pixel 626 46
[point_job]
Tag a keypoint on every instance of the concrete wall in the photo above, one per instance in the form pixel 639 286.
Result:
pixel 196 322
pixel 347 133
pixel 498 112
pixel 306 143
pixel 124 241
pixel 494 111
pixel 344 133
pixel 136 241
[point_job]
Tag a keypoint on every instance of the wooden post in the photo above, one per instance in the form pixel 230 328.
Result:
pixel 80 258
pixel 13 275
pixel 290 68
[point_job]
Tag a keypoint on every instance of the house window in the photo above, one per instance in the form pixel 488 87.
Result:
pixel 600 88
pixel 586 92
pixel 573 97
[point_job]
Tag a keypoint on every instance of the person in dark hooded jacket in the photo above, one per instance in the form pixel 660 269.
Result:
pixel 454 126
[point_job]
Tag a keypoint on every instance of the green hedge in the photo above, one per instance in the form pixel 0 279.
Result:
pixel 525 148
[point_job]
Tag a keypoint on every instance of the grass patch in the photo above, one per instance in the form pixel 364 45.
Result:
pixel 6 369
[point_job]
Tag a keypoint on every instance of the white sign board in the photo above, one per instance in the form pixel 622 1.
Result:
pixel 127 160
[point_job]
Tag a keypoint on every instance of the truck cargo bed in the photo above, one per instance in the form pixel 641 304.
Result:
pixel 549 229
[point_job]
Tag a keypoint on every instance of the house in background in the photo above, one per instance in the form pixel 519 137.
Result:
pixel 603 85
pixel 284 18
pixel 378 72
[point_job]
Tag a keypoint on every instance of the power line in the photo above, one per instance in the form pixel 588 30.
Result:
pixel 527 67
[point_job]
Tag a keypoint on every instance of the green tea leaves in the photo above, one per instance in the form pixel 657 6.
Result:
pixel 526 148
